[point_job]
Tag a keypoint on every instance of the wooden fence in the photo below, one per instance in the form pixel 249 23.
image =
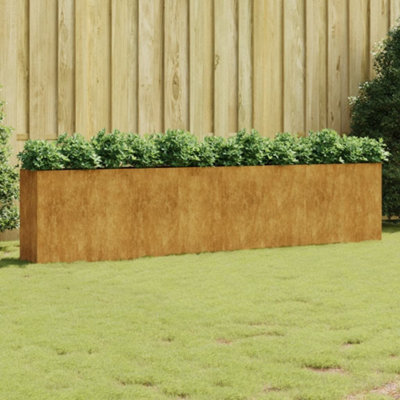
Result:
pixel 210 66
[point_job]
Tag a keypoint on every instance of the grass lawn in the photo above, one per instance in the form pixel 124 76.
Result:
pixel 315 322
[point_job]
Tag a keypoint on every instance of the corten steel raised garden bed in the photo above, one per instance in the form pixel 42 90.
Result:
pixel 127 213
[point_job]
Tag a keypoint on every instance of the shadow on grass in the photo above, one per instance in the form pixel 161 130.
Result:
pixel 9 255
pixel 12 262
pixel 13 247
pixel 391 227
pixel 9 246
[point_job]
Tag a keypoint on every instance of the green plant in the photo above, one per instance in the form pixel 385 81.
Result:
pixel 363 149
pixel 79 153
pixel 227 152
pixel 9 218
pixel 326 147
pixel 304 150
pixel 205 156
pixel 142 151
pixel 41 155
pixel 252 147
pixel 111 148
pixel 177 148
pixel 376 113
pixel 281 150
pixel 352 151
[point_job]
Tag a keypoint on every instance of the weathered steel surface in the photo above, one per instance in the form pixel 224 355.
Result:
pixel 128 213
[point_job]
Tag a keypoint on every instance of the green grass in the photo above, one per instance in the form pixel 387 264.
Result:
pixel 315 322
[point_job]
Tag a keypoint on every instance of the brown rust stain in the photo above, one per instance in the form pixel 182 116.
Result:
pixel 129 213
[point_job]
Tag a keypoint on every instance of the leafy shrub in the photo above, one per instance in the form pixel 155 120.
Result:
pixel 376 114
pixel 9 218
pixel 326 147
pixel 142 151
pixel 204 155
pixel 181 149
pixel 304 151
pixel 363 149
pixel 78 152
pixel 41 155
pixel 227 152
pixel 177 148
pixel 111 148
pixel 281 150
pixel 252 147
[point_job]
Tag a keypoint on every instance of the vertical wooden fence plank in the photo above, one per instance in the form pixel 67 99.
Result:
pixel 150 66
pixel 344 50
pixel 358 45
pixel 379 26
pixel 43 69
pixel 66 66
pixel 176 76
pixel 93 66
pixel 294 66
pixel 124 58
pixel 245 65
pixel 81 70
pixel 394 12
pixel 226 68
pixel 22 66
pixel 337 66
pixel 8 62
pixel 201 67
pixel 316 53
pixel 267 64
pixel 8 59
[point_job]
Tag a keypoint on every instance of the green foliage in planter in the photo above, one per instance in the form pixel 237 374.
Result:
pixel 142 151
pixel 281 150
pixel 42 155
pixel 303 150
pixel 78 152
pixel 376 113
pixel 326 147
pixel 363 149
pixel 111 148
pixel 227 152
pixel 177 148
pixel 252 147
pixel 9 218
pixel 205 155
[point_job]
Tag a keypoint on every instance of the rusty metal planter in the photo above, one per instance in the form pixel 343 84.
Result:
pixel 127 213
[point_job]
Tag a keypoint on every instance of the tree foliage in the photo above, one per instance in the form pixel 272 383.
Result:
pixel 9 218
pixel 376 114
